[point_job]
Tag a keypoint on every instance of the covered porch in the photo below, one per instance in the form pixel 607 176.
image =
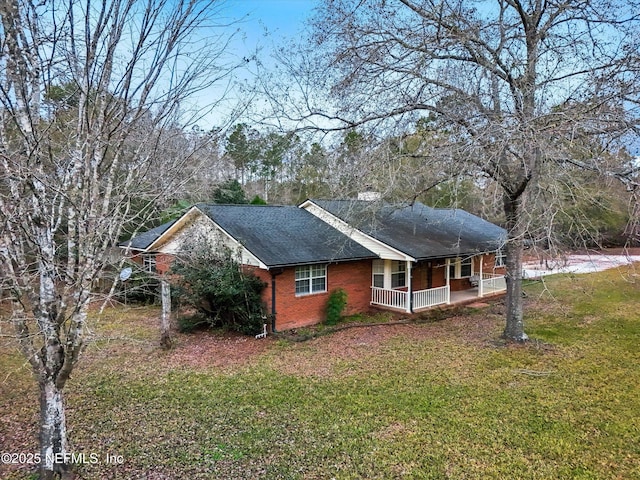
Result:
pixel 465 279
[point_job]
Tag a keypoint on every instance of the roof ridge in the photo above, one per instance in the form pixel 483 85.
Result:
pixel 245 205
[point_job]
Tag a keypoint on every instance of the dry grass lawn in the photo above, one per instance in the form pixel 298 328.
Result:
pixel 434 399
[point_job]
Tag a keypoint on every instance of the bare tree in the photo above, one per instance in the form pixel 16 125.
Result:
pixel 89 92
pixel 166 341
pixel 517 85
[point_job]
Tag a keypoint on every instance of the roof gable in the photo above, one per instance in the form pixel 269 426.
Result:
pixel 284 235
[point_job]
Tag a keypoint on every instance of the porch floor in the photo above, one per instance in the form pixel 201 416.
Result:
pixel 462 296
pixel 465 296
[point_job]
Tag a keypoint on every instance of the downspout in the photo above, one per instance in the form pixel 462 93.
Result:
pixel 480 286
pixel 274 274
pixel 446 271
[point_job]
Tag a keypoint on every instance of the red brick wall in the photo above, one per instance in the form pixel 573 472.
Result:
pixel 488 263
pixel 136 259
pixel 419 276
pixel 163 262
pixel 439 278
pixel 298 311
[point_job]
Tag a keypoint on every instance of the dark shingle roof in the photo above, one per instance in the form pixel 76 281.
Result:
pixel 284 235
pixel 143 240
pixel 418 230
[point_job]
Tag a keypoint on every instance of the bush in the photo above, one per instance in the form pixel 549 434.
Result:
pixel 191 323
pixel 211 281
pixel 258 200
pixel 335 306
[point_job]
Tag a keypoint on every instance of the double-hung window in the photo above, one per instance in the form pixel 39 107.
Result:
pixel 378 273
pixel 461 267
pixel 398 274
pixel 389 274
pixel 501 258
pixel 466 267
pixel 149 263
pixel 311 279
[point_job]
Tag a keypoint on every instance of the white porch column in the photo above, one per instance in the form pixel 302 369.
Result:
pixel 387 274
pixel 446 274
pixel 480 283
pixel 409 288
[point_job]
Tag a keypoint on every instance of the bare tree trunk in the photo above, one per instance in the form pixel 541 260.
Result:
pixel 66 178
pixel 514 328
pixel 166 342
pixel 53 432
pixel 485 81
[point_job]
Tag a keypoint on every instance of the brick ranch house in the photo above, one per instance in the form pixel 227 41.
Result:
pixel 404 258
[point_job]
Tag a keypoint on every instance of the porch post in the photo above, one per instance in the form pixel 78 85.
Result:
pixel 409 289
pixel 480 289
pixel 446 274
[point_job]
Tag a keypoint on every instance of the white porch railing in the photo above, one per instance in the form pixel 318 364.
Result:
pixel 431 297
pixel 389 298
pixel 493 283
pixel 421 299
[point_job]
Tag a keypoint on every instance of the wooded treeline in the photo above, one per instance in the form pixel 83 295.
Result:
pixel 583 209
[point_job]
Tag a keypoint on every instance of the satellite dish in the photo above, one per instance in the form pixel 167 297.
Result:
pixel 125 274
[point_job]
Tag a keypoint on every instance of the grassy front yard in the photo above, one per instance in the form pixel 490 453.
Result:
pixel 438 399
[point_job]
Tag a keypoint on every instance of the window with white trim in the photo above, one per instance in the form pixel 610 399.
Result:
pixel 149 263
pixel 398 274
pixel 461 267
pixel 466 267
pixel 501 258
pixel 378 273
pixel 311 279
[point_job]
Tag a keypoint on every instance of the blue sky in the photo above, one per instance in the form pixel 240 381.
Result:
pixel 267 23
pixel 264 22
pixel 279 13
pixel 261 25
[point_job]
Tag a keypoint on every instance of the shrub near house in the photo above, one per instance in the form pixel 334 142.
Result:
pixel 209 280
pixel 336 304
